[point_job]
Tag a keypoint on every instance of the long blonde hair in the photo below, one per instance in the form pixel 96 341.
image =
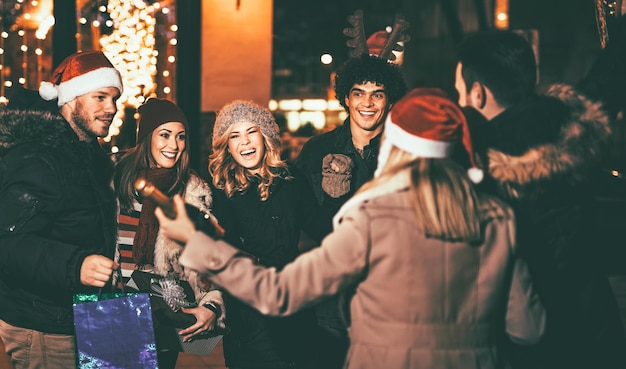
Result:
pixel 231 177
pixel 445 203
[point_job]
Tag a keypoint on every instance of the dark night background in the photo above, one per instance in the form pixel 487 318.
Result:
pixel 568 44
pixel 303 30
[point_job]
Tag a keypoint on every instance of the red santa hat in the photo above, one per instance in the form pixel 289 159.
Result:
pixel 426 123
pixel 376 42
pixel 78 74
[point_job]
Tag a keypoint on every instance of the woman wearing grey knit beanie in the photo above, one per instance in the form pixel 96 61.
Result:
pixel 263 204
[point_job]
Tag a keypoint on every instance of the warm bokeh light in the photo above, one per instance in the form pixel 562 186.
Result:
pixel 131 48
pixel 501 14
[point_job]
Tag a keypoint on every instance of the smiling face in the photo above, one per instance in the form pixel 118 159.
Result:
pixel 168 143
pixel 246 145
pixel 367 106
pixel 91 114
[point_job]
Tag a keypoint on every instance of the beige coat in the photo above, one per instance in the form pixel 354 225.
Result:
pixel 419 302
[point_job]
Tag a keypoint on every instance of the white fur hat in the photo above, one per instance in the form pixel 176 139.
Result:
pixel 78 74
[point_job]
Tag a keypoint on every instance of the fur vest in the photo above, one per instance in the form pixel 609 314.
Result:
pixel 167 251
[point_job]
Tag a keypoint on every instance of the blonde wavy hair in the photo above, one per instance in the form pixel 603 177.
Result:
pixel 445 203
pixel 231 177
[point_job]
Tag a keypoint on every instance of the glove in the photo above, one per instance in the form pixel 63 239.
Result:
pixel 336 174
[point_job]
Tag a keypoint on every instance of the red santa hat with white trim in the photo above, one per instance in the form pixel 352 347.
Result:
pixel 78 74
pixel 426 123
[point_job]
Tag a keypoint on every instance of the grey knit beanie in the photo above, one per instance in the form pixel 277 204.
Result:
pixel 239 111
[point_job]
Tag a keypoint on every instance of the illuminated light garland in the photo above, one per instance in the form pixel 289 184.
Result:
pixel 130 47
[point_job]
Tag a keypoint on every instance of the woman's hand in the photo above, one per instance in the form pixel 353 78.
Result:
pixel 180 229
pixel 205 321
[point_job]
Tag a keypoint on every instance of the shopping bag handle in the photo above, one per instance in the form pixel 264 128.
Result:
pixel 118 271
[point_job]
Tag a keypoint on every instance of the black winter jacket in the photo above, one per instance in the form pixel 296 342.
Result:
pixel 269 232
pixel 56 207
pixel 541 156
pixel 333 312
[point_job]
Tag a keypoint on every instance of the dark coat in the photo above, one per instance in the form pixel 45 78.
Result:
pixel 333 313
pixel 540 157
pixel 56 207
pixel 269 232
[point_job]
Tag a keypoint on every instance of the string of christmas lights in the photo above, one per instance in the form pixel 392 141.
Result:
pixel 125 30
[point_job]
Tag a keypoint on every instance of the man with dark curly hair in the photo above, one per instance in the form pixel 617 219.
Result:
pixel 338 162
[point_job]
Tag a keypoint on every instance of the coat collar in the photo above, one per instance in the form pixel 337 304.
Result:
pixel 24 126
pixel 577 146
pixel 343 139
pixel 395 183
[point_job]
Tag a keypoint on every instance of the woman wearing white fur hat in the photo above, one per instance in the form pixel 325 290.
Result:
pixel 433 263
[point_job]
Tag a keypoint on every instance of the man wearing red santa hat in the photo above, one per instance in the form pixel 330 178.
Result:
pixel 57 209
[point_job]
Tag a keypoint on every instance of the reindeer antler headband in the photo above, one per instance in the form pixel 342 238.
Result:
pixel 358 40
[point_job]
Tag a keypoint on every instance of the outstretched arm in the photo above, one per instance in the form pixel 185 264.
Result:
pixel 338 263
pixel 181 228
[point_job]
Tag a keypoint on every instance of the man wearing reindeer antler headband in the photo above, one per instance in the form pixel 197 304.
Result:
pixel 338 162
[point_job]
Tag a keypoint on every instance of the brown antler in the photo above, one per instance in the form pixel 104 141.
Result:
pixel 400 25
pixel 357 34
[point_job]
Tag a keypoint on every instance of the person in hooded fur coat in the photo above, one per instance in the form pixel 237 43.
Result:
pixel 540 151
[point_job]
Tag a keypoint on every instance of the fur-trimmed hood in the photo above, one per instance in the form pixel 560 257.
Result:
pixel 578 144
pixel 23 126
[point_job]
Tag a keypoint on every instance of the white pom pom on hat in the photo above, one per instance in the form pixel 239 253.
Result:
pixel 78 74
pixel 426 123
pixel 47 91
pixel 476 175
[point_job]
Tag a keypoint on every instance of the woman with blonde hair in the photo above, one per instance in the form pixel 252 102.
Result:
pixel 430 265
pixel 263 204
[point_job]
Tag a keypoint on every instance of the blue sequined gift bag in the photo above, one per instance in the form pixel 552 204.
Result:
pixel 114 331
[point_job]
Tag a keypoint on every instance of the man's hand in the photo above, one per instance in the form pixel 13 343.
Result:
pixel 180 229
pixel 96 270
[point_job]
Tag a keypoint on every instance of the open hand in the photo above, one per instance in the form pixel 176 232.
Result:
pixel 205 321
